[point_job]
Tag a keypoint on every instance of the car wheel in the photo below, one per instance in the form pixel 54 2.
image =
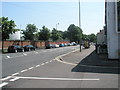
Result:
pixel 8 51
pixel 16 51
pixel 23 50
pixel 29 49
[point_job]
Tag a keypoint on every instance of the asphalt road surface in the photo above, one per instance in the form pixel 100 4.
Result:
pixel 16 62
pixel 40 69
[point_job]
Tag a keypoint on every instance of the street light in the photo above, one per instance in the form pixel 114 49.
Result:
pixel 20 32
pixel 79 25
pixel 56 25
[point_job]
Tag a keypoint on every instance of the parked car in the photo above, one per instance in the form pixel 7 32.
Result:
pixel 49 46
pixel 56 45
pixel 65 44
pixel 69 44
pixel 29 47
pixel 73 43
pixel 15 49
pixel 61 45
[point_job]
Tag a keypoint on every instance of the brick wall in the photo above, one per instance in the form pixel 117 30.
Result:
pixel 57 42
pixel 38 44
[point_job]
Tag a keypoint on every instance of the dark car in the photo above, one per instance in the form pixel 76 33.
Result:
pixel 15 49
pixel 49 46
pixel 61 45
pixel 29 47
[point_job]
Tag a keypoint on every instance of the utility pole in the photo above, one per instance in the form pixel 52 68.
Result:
pixel 56 25
pixel 79 25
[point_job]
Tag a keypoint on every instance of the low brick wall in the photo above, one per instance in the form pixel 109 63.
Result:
pixel 57 42
pixel 37 44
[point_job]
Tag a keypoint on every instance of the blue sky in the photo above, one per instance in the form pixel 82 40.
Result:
pixel 51 13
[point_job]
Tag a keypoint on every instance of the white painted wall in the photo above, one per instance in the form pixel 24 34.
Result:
pixel 15 36
pixel 112 35
pixel 101 37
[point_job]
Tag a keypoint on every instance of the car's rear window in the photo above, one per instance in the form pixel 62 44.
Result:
pixel 28 46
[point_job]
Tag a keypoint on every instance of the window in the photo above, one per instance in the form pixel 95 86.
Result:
pixel 118 16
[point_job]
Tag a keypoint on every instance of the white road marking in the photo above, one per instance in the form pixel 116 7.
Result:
pixel 8 57
pixel 50 60
pixel 66 79
pixel 46 62
pixel 14 56
pixel 16 78
pixel 36 52
pixel 37 65
pixel 24 70
pixel 3 84
pixel 8 77
pixel 28 52
pixel 18 56
pixel 43 64
pixel 15 74
pixel 25 54
pixel 30 68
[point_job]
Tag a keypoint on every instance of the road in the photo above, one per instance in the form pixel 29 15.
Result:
pixel 16 62
pixel 40 69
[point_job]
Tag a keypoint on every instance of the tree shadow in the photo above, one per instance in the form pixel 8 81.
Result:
pixel 95 63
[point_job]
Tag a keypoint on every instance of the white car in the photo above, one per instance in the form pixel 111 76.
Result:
pixel 73 43
pixel 56 45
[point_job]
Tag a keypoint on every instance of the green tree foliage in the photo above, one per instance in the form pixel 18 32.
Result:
pixel 65 35
pixel 74 33
pixel 7 27
pixel 92 37
pixel 44 34
pixel 29 33
pixel 36 36
pixel 84 36
pixel 56 35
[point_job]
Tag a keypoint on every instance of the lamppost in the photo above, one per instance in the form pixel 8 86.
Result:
pixel 20 32
pixel 80 26
pixel 56 25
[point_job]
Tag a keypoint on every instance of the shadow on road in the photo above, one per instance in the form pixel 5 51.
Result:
pixel 95 63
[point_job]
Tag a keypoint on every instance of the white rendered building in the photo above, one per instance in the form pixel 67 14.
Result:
pixel 15 36
pixel 113 34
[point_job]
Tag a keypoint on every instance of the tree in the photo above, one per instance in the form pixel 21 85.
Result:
pixel 44 34
pixel 55 35
pixel 29 33
pixel 74 33
pixel 65 35
pixel 84 36
pixel 92 37
pixel 7 27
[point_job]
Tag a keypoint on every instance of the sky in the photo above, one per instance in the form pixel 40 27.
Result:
pixel 51 13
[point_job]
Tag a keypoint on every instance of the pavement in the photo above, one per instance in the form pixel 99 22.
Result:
pixel 89 61
pixel 76 69
pixel 92 64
